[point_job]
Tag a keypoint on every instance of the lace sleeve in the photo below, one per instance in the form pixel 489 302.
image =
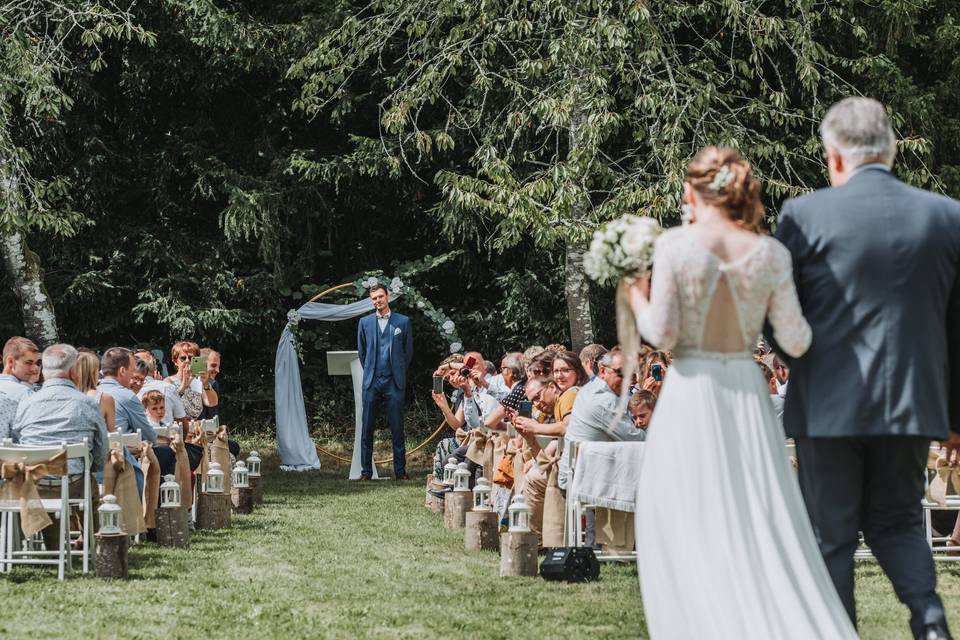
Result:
pixel 790 328
pixel 659 323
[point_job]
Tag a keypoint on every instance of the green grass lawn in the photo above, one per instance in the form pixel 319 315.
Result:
pixel 328 558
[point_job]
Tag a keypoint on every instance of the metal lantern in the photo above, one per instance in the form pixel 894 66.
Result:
pixel 109 513
pixel 448 471
pixel 169 492
pixel 461 478
pixel 215 479
pixel 481 495
pixel 519 514
pixel 240 474
pixel 253 464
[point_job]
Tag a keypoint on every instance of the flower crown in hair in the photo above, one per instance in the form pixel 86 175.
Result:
pixel 721 179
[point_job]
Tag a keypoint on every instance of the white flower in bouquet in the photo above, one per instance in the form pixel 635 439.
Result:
pixel 448 326
pixel 293 317
pixel 396 285
pixel 620 248
pixel 455 347
pixel 371 281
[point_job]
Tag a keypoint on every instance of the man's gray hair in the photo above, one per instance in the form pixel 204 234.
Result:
pixel 58 360
pixel 606 360
pixel 860 131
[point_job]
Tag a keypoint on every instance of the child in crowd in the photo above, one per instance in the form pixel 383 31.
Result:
pixel 641 408
pixel 155 406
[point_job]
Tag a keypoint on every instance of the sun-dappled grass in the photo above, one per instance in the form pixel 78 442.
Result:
pixel 327 558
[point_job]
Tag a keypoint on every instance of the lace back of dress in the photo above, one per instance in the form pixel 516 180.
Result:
pixel 722 331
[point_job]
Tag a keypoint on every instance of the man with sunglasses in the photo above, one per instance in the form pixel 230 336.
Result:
pixel 596 416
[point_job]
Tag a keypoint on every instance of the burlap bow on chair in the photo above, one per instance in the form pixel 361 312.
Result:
pixel 554 506
pixel 480 451
pixel 946 482
pixel 183 474
pixel 120 481
pixel 151 484
pixel 20 485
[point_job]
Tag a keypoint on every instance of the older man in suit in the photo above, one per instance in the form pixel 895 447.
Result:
pixel 385 346
pixel 877 267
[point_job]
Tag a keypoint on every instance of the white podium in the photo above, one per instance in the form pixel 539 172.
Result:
pixel 347 363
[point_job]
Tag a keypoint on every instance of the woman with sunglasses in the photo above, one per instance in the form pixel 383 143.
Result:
pixel 193 400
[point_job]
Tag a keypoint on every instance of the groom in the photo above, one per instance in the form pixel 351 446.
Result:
pixel 385 346
pixel 877 266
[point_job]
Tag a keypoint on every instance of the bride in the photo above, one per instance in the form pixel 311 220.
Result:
pixel 724 545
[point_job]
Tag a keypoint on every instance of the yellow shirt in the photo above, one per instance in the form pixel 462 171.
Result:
pixel 565 404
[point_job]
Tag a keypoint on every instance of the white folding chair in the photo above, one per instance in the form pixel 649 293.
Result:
pixel 62 557
pixel 940 545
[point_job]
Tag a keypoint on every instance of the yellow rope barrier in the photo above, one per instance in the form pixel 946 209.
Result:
pixel 330 454
pixel 339 458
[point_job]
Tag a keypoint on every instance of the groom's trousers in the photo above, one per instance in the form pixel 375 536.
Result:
pixel 873 485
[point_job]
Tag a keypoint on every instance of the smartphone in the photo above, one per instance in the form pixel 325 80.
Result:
pixel 526 409
pixel 437 384
pixel 198 365
pixel 470 363
pixel 656 372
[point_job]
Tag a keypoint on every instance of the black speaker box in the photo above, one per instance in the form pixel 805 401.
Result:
pixel 570 564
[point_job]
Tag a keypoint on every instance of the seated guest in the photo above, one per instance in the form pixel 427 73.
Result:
pixel 194 391
pixel 21 367
pixel 213 370
pixel 653 369
pixel 589 356
pixel 139 375
pixel 501 383
pixel 641 407
pixel 60 412
pixel 117 365
pixel 153 404
pixel 173 405
pixel 595 417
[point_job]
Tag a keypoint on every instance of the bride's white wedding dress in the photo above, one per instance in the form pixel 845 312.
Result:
pixel 724 545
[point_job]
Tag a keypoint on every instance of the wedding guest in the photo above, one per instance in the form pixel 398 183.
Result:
pixel 213 370
pixel 88 374
pixel 139 374
pixel 173 406
pixel 641 406
pixel 653 369
pixel 195 395
pixel 502 383
pixel 594 417
pixel 589 356
pixel 154 405
pixel 21 367
pixel 60 412
pixel 117 365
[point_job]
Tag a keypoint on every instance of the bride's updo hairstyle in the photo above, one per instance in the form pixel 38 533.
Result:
pixel 723 178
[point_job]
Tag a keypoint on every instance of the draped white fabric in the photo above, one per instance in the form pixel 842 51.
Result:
pixel 297 450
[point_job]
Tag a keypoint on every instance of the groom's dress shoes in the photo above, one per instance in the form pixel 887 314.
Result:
pixel 364 477
pixel 935 632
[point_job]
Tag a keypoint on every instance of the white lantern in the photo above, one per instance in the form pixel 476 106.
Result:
pixel 253 464
pixel 240 474
pixel 109 512
pixel 448 471
pixel 481 495
pixel 215 478
pixel 461 478
pixel 519 515
pixel 169 492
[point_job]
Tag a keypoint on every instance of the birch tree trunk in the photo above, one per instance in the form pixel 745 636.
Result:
pixel 576 286
pixel 26 278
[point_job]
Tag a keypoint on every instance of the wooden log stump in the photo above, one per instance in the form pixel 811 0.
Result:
pixel 518 554
pixel 480 532
pixel 213 510
pixel 256 483
pixel 173 527
pixel 427 502
pixel 436 504
pixel 110 561
pixel 242 498
pixel 455 508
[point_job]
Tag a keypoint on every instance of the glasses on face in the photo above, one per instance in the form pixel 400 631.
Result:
pixel 562 371
pixel 183 358
pixel 536 372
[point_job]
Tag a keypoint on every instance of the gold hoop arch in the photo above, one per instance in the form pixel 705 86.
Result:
pixel 339 458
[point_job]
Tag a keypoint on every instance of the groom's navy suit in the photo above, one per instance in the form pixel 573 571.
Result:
pixel 877 268
pixel 385 356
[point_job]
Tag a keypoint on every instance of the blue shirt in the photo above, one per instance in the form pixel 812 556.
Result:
pixel 12 386
pixel 60 412
pixel 595 419
pixel 131 415
pixel 8 414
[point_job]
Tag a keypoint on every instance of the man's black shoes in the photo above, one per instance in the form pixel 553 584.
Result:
pixel 935 631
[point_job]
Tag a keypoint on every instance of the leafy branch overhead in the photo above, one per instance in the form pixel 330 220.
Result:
pixel 522 112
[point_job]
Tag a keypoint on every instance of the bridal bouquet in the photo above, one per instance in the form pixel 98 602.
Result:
pixel 621 248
